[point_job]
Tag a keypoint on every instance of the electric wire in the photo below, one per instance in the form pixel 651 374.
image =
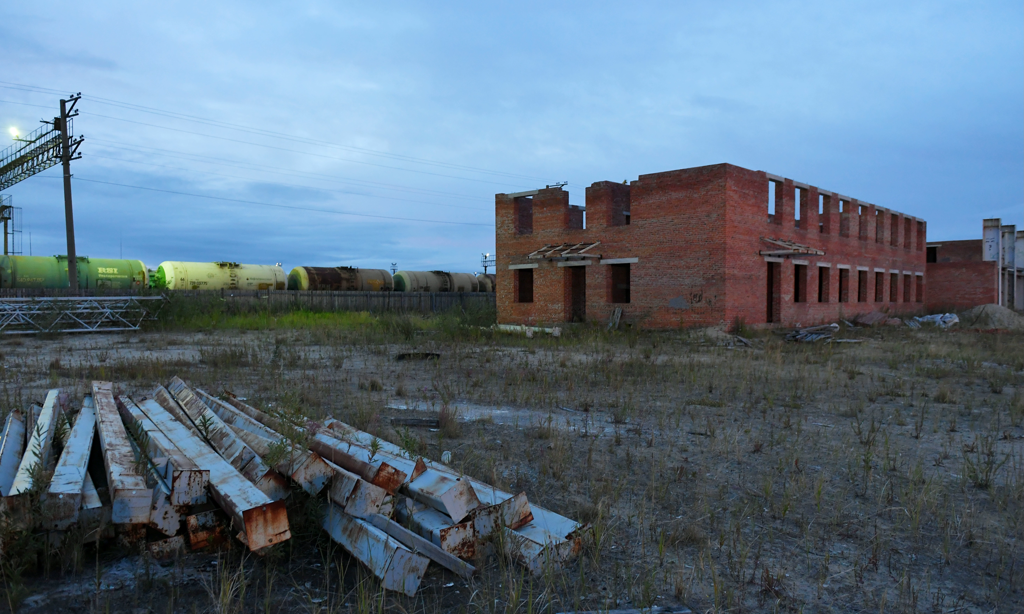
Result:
pixel 281 184
pixel 296 151
pixel 275 205
pixel 190 157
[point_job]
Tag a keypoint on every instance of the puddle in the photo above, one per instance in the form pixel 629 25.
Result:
pixel 594 423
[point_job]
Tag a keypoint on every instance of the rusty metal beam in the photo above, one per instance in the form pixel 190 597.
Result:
pixel 305 468
pixel 64 495
pixel 130 498
pixel 40 440
pixel 354 495
pixel 263 521
pixel 457 539
pixel 12 447
pixel 398 568
pixel 422 546
pixel 224 440
pixel 188 482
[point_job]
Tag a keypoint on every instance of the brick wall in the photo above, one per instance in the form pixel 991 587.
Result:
pixel 959 251
pixel 955 286
pixel 695 235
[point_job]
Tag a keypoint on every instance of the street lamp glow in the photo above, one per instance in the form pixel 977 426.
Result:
pixel 13 131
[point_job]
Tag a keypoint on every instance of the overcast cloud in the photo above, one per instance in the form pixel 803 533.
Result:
pixel 423 111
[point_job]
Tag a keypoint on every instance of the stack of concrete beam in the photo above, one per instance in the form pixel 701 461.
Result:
pixel 190 465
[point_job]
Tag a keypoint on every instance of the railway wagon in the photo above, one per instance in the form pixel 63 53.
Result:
pixel 340 278
pixel 173 275
pixel 485 282
pixel 52 272
pixel 435 281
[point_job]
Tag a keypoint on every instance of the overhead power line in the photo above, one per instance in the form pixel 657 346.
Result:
pixel 279 135
pixel 288 185
pixel 278 206
pixel 190 157
pixel 296 151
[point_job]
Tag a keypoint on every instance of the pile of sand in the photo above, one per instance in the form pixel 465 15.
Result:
pixel 986 317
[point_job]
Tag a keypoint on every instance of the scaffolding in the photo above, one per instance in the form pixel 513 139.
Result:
pixel 76 314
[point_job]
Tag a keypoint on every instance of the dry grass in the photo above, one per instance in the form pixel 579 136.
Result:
pixel 887 475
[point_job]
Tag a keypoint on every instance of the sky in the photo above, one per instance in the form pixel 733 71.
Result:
pixel 366 134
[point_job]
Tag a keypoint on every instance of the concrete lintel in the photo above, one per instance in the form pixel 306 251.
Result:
pixel 515 267
pixel 908 272
pixel 843 266
pixel 897 271
pixel 522 194
pixel 802 186
pixel 772 177
pixel 773 259
pixel 862 268
pixel 919 274
pixel 801 262
pixel 825 265
pixel 879 270
pixel 576 263
pixel 620 261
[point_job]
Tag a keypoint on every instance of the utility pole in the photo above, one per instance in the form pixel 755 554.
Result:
pixel 66 113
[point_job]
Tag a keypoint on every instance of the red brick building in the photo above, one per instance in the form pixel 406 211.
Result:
pixel 964 274
pixel 704 246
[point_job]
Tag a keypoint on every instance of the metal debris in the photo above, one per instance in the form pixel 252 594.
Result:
pixel 191 465
pixel 813 333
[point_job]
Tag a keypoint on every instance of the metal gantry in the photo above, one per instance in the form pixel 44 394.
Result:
pixel 26 316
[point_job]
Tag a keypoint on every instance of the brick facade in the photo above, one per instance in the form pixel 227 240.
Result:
pixel 691 240
pixel 960 285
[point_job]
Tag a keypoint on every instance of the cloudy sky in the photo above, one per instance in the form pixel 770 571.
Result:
pixel 329 133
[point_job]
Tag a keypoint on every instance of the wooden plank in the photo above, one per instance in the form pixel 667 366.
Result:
pixel 37 452
pixel 398 568
pixel 12 447
pixel 188 482
pixel 64 496
pixel 304 467
pixel 224 440
pixel 264 521
pixel 129 496
pixel 419 545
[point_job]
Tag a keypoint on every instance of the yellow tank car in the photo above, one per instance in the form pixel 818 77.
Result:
pixel 172 275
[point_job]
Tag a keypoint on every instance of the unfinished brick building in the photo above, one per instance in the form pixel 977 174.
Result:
pixel 701 247
pixel 964 274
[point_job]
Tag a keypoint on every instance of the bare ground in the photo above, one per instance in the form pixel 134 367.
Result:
pixel 885 476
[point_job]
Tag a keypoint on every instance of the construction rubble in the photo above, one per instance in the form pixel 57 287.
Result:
pixel 183 469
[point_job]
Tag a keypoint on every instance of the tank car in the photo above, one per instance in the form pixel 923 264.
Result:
pixel 435 281
pixel 172 275
pixel 339 278
pixel 52 272
pixel 485 282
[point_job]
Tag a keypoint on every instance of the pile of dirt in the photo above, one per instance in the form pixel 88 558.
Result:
pixel 987 317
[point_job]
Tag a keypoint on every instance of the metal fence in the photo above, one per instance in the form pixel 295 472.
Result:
pixel 278 301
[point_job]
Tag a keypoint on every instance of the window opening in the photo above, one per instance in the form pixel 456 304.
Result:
pixel 862 286
pixel 894 229
pixel 932 255
pixel 894 286
pixel 577 293
pixel 823 279
pixel 524 215
pixel 906 289
pixel 844 285
pixel 920 236
pixel 619 283
pixel 906 232
pixel 771 199
pixel 879 287
pixel 800 283
pixel 919 294
pixel 879 226
pixel 524 285
pixel 798 205
pixel 773 293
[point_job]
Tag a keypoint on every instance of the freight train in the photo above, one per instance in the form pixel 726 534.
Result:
pixel 52 272
pixel 97 273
